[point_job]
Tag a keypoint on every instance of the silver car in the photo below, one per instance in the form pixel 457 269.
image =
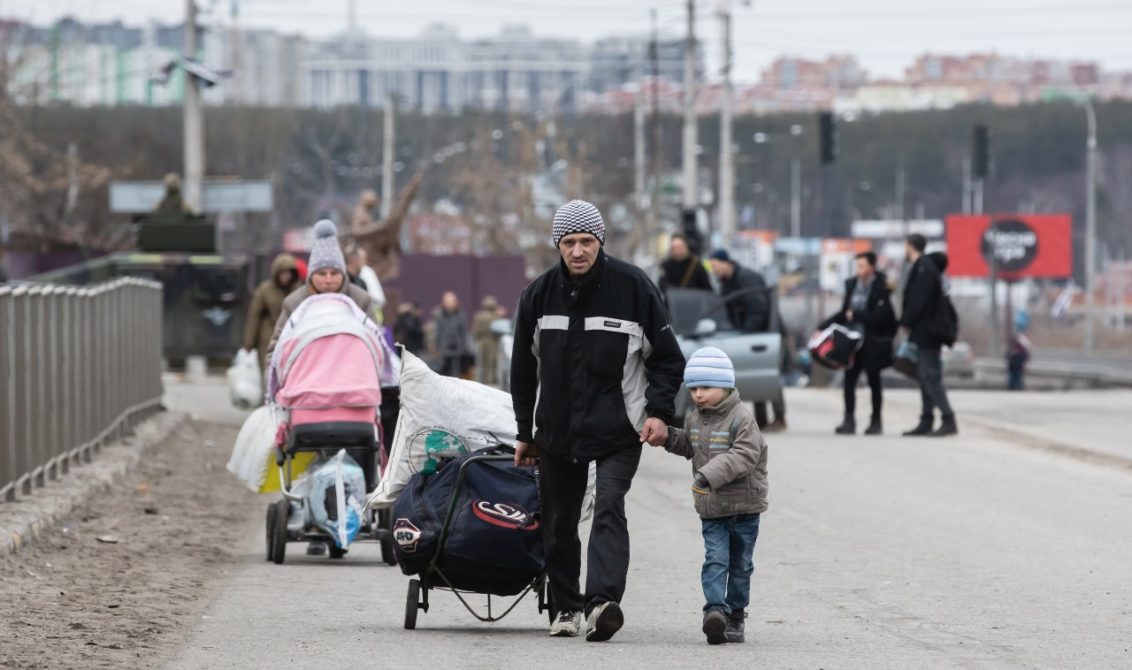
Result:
pixel 699 319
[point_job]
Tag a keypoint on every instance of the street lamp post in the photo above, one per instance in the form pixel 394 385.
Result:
pixel 1090 225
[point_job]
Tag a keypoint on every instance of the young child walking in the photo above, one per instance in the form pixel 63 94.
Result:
pixel 729 488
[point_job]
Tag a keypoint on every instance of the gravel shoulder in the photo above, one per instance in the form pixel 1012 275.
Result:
pixel 117 582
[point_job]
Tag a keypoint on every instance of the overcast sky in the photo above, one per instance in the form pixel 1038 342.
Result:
pixel 885 34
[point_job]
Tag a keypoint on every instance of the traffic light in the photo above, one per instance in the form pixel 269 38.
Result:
pixel 980 152
pixel 827 135
pixel 691 229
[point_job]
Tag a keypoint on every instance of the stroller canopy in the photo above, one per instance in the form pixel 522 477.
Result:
pixel 330 354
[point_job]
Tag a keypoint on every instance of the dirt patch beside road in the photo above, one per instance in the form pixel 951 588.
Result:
pixel 116 584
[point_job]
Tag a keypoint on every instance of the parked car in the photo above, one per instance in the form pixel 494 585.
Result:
pixel 700 319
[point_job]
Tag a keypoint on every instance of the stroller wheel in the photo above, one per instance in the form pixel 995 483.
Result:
pixel 385 528
pixel 271 514
pixel 279 533
pixel 412 603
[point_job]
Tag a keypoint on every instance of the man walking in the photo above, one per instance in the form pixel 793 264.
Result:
pixel 594 375
pixel 923 303
pixel 867 308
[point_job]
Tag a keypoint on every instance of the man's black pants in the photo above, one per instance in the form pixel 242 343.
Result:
pixel 932 392
pixel 562 487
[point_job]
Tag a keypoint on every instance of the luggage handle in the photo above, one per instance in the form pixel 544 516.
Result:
pixel 758 348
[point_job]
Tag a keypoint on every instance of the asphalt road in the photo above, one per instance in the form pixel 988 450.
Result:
pixel 886 552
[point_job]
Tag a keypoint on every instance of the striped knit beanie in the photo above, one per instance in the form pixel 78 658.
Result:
pixel 709 367
pixel 578 216
pixel 325 252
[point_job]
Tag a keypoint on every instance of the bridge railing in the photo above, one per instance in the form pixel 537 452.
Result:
pixel 79 367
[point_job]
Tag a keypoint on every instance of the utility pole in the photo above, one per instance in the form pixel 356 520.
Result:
pixel 795 197
pixel 193 119
pixel 691 190
pixel 639 150
pixel 237 87
pixel 900 186
pixel 726 155
pixel 1090 227
pixel 388 144
pixel 654 48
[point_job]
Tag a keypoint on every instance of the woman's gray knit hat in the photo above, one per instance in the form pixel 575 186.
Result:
pixel 325 252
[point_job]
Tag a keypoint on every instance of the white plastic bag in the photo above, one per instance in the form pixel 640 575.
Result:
pixel 253 448
pixel 342 475
pixel 444 413
pixel 245 380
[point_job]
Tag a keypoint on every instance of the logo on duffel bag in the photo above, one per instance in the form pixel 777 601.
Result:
pixel 504 515
pixel 406 535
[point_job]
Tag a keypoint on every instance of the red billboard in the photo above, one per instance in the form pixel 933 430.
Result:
pixel 1022 245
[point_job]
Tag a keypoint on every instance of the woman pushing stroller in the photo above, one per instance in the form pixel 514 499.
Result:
pixel 326 274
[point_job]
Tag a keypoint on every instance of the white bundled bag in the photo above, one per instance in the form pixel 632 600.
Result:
pixel 245 380
pixel 253 448
pixel 445 414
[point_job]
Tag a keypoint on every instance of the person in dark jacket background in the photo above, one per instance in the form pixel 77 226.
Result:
pixel 408 329
pixel 594 374
pixel 923 298
pixel 867 308
pixel 750 313
pixel 267 305
pixel 451 326
pixel 682 268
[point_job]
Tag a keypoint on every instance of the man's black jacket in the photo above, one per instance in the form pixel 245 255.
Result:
pixel 673 274
pixel 592 359
pixel 751 312
pixel 922 294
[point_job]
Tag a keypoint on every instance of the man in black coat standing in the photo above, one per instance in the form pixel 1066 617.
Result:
pixel 750 312
pixel 923 302
pixel 867 308
pixel 682 268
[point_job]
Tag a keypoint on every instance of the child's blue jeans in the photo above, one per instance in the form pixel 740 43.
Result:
pixel 729 547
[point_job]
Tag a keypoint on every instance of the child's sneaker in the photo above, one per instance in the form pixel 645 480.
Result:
pixel 715 626
pixel 735 625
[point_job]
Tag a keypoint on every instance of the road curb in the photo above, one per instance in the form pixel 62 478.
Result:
pixel 25 520
pixel 1020 438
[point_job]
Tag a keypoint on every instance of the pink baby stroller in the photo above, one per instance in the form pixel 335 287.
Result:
pixel 324 387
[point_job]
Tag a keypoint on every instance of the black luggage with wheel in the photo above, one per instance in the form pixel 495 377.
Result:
pixel 472 527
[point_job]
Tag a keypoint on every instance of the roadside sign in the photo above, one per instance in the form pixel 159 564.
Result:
pixel 1021 245
pixel 136 197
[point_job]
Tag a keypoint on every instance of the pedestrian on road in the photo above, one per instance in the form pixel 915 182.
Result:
pixel 594 375
pixel 729 488
pixel 487 343
pixel 408 330
pixel 451 326
pixel 267 305
pixel 867 309
pixel 363 276
pixel 682 268
pixel 749 308
pixel 1018 353
pixel 327 274
pixel 922 312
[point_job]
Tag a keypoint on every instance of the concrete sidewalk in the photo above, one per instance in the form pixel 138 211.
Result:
pixel 1095 425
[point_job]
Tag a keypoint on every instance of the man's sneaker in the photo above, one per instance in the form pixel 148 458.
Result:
pixel 715 626
pixel 604 621
pixel 568 624
pixel 735 625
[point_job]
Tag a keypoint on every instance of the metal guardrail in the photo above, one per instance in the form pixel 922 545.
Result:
pixel 79 368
